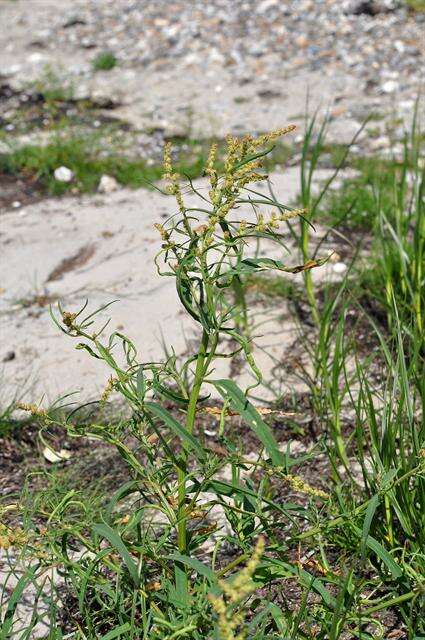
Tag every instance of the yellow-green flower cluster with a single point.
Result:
(266, 138)
(209, 167)
(11, 537)
(108, 389)
(234, 592)
(68, 319)
(272, 223)
(298, 484)
(33, 409)
(239, 169)
(162, 231)
(173, 177)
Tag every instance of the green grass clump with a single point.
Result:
(354, 205)
(53, 87)
(86, 159)
(104, 61)
(416, 5)
(270, 287)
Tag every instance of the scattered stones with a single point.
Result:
(352, 52)
(63, 174)
(107, 184)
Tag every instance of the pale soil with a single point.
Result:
(101, 248)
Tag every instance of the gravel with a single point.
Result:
(224, 65)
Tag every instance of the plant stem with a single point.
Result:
(180, 571)
(240, 301)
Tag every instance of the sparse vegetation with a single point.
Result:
(201, 539)
(104, 61)
(416, 5)
(92, 155)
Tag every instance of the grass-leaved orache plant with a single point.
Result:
(201, 537)
(208, 250)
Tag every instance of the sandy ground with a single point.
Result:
(100, 248)
(203, 73)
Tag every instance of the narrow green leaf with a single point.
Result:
(117, 632)
(140, 383)
(7, 624)
(251, 265)
(370, 512)
(383, 554)
(105, 531)
(177, 428)
(198, 566)
(230, 391)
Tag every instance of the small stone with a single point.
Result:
(339, 267)
(36, 57)
(399, 46)
(16, 204)
(63, 174)
(390, 86)
(10, 355)
(264, 6)
(301, 42)
(107, 184)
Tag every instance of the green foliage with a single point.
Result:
(200, 542)
(53, 88)
(85, 157)
(104, 61)
(416, 5)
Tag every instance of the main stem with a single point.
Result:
(180, 570)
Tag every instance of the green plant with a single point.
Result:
(104, 61)
(86, 158)
(416, 5)
(387, 441)
(52, 87)
(341, 522)
(206, 249)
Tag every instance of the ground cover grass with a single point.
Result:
(89, 157)
(203, 540)
(104, 61)
(50, 108)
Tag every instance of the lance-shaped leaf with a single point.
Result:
(253, 265)
(230, 391)
(187, 438)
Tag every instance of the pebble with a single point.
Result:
(377, 43)
(107, 184)
(361, 37)
(339, 267)
(390, 86)
(63, 174)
